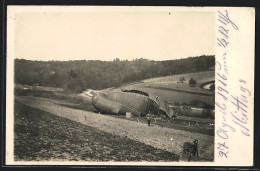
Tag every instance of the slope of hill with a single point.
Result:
(181, 93)
(77, 76)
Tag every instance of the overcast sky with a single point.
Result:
(107, 35)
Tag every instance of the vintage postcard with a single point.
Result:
(130, 85)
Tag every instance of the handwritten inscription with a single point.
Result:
(225, 27)
(225, 22)
(240, 116)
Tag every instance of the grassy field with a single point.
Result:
(168, 88)
(200, 77)
(41, 136)
(198, 125)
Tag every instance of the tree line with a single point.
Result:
(79, 75)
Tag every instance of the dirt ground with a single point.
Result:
(42, 136)
(167, 139)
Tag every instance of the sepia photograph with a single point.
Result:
(112, 84)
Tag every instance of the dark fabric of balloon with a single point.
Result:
(119, 102)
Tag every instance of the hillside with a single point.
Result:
(169, 89)
(76, 76)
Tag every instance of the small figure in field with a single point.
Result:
(191, 149)
(149, 117)
(195, 151)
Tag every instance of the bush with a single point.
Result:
(207, 111)
(192, 82)
(212, 87)
(22, 92)
(182, 110)
(181, 79)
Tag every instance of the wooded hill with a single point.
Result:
(79, 75)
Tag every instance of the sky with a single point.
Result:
(106, 35)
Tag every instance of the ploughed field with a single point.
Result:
(47, 129)
(41, 136)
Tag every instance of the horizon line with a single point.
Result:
(113, 59)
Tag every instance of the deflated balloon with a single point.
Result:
(137, 102)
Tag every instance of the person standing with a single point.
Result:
(149, 117)
(195, 151)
